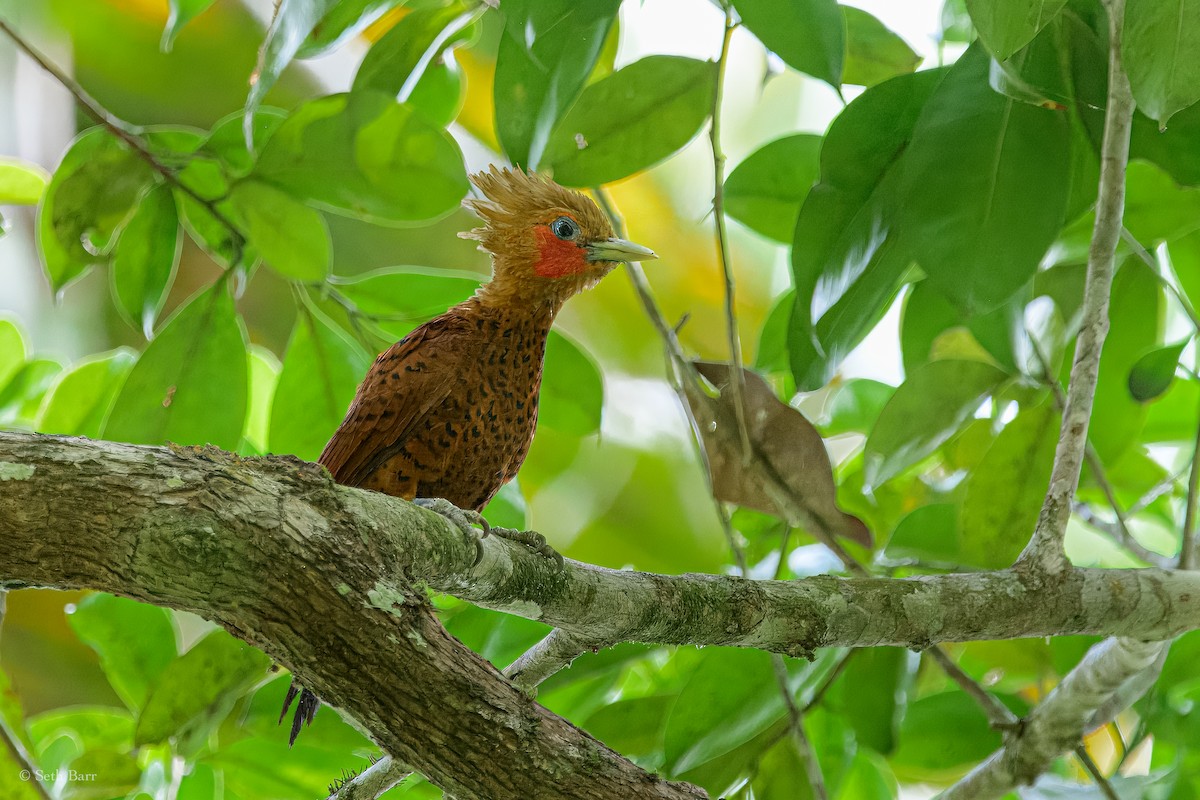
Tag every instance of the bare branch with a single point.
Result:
(1045, 550)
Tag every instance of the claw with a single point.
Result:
(464, 519)
(534, 541)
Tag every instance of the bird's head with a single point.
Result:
(544, 239)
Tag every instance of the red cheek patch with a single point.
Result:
(557, 258)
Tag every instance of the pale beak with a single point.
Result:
(618, 250)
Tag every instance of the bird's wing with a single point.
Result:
(405, 383)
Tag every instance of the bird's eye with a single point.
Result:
(565, 228)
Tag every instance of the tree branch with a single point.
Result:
(1045, 551)
(319, 576)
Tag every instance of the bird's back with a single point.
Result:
(449, 411)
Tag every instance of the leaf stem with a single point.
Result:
(736, 379)
(128, 134)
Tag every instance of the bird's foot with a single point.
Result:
(531, 539)
(467, 520)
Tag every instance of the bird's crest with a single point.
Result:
(513, 198)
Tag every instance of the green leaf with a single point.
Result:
(871, 694)
(86, 726)
(781, 774)
(873, 53)
(1152, 374)
(500, 638)
(943, 731)
(95, 188)
(572, 393)
(631, 120)
(12, 349)
(766, 190)
(929, 534)
(1136, 320)
(146, 257)
(401, 55)
(345, 19)
(926, 410)
(547, 50)
(1160, 49)
(321, 370)
(21, 182)
(986, 183)
(367, 156)
(197, 689)
(294, 20)
(403, 297)
(808, 34)
(292, 238)
(1005, 492)
(182, 12)
(846, 262)
(634, 726)
(22, 397)
(731, 697)
(80, 399)
(135, 642)
(264, 377)
(189, 386)
(1157, 209)
(772, 355)
(1005, 26)
(854, 406)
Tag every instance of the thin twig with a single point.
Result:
(553, 653)
(998, 714)
(1098, 778)
(1187, 544)
(804, 748)
(1045, 552)
(128, 134)
(737, 380)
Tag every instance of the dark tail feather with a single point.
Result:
(306, 709)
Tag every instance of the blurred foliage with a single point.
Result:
(958, 195)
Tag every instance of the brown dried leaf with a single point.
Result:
(786, 450)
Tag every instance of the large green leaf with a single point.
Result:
(92, 194)
(321, 369)
(1005, 26)
(872, 694)
(633, 726)
(135, 642)
(929, 534)
(926, 410)
(294, 21)
(731, 696)
(873, 53)
(547, 50)
(808, 34)
(1005, 492)
(22, 397)
(80, 399)
(408, 294)
(21, 183)
(766, 190)
(985, 189)
(631, 120)
(365, 155)
(1161, 53)
(195, 690)
(944, 731)
(146, 257)
(846, 262)
(403, 53)
(189, 386)
(292, 238)
(572, 392)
